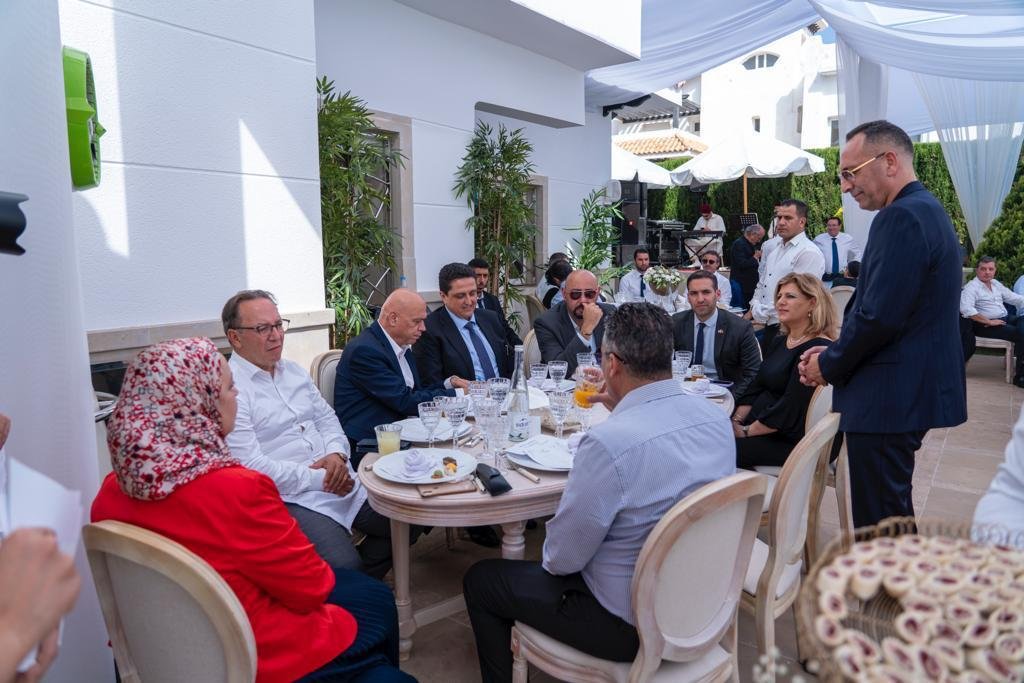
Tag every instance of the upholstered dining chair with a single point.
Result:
(323, 370)
(534, 309)
(696, 556)
(170, 616)
(531, 350)
(773, 577)
(841, 296)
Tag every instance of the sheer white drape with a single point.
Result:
(973, 7)
(981, 157)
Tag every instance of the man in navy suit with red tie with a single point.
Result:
(897, 368)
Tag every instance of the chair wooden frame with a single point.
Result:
(1006, 346)
(720, 629)
(181, 566)
(786, 539)
(534, 308)
(316, 369)
(531, 350)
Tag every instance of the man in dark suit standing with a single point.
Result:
(484, 299)
(576, 325)
(377, 379)
(744, 259)
(897, 367)
(720, 341)
(462, 340)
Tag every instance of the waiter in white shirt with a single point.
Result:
(632, 286)
(287, 431)
(794, 253)
(983, 305)
(837, 247)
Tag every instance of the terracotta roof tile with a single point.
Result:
(670, 143)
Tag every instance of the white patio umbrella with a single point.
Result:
(751, 155)
(628, 166)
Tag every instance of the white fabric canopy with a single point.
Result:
(628, 166)
(756, 155)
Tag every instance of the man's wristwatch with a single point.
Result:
(746, 430)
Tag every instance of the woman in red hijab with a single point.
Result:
(173, 474)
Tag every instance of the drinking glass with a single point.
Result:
(456, 409)
(584, 360)
(389, 437)
(486, 411)
(497, 433)
(696, 372)
(587, 384)
(683, 357)
(560, 403)
(499, 388)
(538, 373)
(430, 415)
(557, 370)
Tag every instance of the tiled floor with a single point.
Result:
(953, 470)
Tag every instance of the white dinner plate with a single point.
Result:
(413, 430)
(714, 390)
(531, 464)
(392, 466)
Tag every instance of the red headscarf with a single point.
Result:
(165, 430)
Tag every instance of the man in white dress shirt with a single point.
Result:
(1003, 503)
(983, 305)
(837, 247)
(794, 253)
(632, 286)
(711, 261)
(286, 430)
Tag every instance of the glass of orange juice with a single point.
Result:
(588, 382)
(389, 438)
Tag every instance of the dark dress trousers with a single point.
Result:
(442, 352)
(777, 399)
(898, 367)
(491, 303)
(737, 356)
(557, 337)
(369, 388)
(743, 267)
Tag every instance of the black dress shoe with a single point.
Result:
(484, 535)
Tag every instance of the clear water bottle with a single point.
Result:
(519, 400)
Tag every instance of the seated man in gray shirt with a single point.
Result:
(657, 446)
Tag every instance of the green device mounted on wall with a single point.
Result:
(84, 129)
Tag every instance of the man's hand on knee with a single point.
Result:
(337, 479)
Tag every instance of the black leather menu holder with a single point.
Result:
(492, 480)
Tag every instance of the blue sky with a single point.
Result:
(828, 36)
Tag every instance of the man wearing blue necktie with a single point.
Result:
(461, 339)
(837, 247)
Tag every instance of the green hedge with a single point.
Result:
(1005, 240)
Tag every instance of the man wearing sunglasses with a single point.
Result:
(576, 325)
(711, 262)
(897, 366)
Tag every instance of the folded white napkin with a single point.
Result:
(418, 464)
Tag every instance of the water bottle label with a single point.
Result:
(520, 430)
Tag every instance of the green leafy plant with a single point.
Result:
(598, 237)
(494, 177)
(355, 167)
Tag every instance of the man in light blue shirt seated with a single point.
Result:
(657, 446)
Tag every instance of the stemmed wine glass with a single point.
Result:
(560, 402)
(430, 416)
(456, 408)
(538, 373)
(680, 364)
(499, 388)
(486, 411)
(557, 369)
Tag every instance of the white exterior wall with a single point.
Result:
(44, 372)
(210, 168)
(403, 62)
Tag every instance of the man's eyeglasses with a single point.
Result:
(264, 330)
(575, 294)
(851, 173)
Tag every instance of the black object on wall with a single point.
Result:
(12, 222)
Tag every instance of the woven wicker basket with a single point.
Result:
(874, 617)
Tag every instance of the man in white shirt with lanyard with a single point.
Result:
(983, 302)
(837, 247)
(632, 286)
(794, 253)
(286, 430)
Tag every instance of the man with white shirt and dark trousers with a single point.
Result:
(837, 247)
(287, 431)
(983, 306)
(794, 253)
(632, 286)
(657, 446)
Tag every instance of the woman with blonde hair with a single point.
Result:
(770, 414)
(173, 474)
